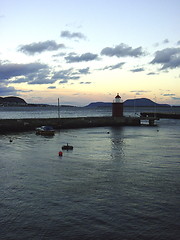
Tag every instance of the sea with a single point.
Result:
(118, 183)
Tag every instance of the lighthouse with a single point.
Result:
(117, 107)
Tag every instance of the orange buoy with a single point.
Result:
(60, 154)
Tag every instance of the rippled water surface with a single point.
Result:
(117, 183)
(65, 112)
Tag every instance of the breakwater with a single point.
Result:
(161, 115)
(17, 125)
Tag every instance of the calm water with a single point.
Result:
(117, 183)
(65, 112)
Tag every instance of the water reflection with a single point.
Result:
(117, 143)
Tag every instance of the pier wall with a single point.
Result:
(17, 125)
(161, 115)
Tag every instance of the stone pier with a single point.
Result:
(18, 125)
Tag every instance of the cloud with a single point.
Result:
(122, 50)
(68, 34)
(164, 56)
(33, 48)
(65, 75)
(84, 71)
(31, 73)
(85, 83)
(178, 42)
(72, 57)
(115, 66)
(52, 87)
(9, 90)
(168, 58)
(4, 91)
(43, 76)
(70, 74)
(176, 98)
(10, 70)
(37, 73)
(139, 92)
(35, 79)
(152, 73)
(166, 41)
(63, 81)
(21, 80)
(174, 63)
(137, 70)
(62, 54)
(38, 80)
(168, 94)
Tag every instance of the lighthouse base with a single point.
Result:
(117, 109)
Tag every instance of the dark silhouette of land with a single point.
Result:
(139, 102)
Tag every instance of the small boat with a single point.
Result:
(45, 131)
(67, 147)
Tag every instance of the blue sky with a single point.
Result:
(84, 51)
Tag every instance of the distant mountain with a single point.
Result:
(139, 102)
(99, 104)
(142, 102)
(12, 101)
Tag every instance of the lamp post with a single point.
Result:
(58, 109)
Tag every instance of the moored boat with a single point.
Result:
(45, 130)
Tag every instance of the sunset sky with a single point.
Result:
(83, 51)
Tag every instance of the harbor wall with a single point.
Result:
(161, 115)
(17, 125)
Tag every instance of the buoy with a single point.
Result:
(60, 154)
(67, 147)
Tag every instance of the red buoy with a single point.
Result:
(60, 154)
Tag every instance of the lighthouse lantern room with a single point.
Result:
(117, 107)
(117, 98)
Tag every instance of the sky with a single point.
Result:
(83, 51)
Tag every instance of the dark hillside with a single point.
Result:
(142, 102)
(139, 102)
(12, 100)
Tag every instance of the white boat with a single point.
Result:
(45, 130)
